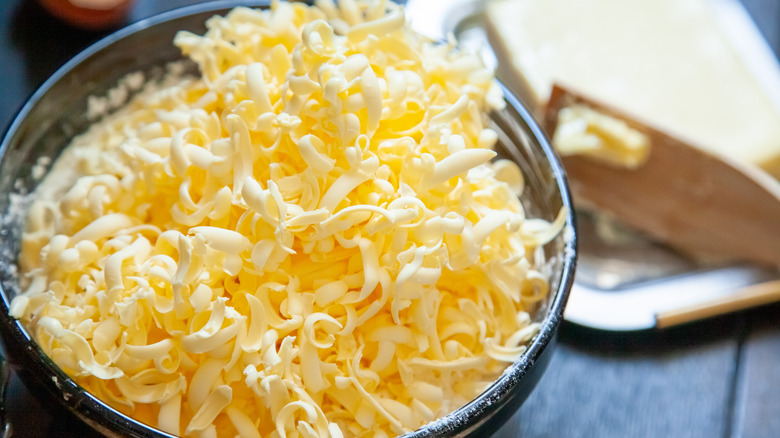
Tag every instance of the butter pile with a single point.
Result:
(308, 240)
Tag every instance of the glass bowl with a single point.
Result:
(57, 112)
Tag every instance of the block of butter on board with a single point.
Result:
(697, 69)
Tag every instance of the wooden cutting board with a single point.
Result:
(702, 204)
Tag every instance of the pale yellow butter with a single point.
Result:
(584, 131)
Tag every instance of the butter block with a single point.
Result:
(671, 63)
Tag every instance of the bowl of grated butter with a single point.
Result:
(281, 220)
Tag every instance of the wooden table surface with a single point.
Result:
(718, 378)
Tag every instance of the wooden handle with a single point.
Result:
(750, 296)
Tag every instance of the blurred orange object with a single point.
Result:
(89, 14)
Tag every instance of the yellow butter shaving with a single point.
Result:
(308, 240)
(584, 131)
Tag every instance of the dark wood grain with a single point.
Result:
(757, 396)
(674, 383)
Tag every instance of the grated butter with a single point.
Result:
(308, 240)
